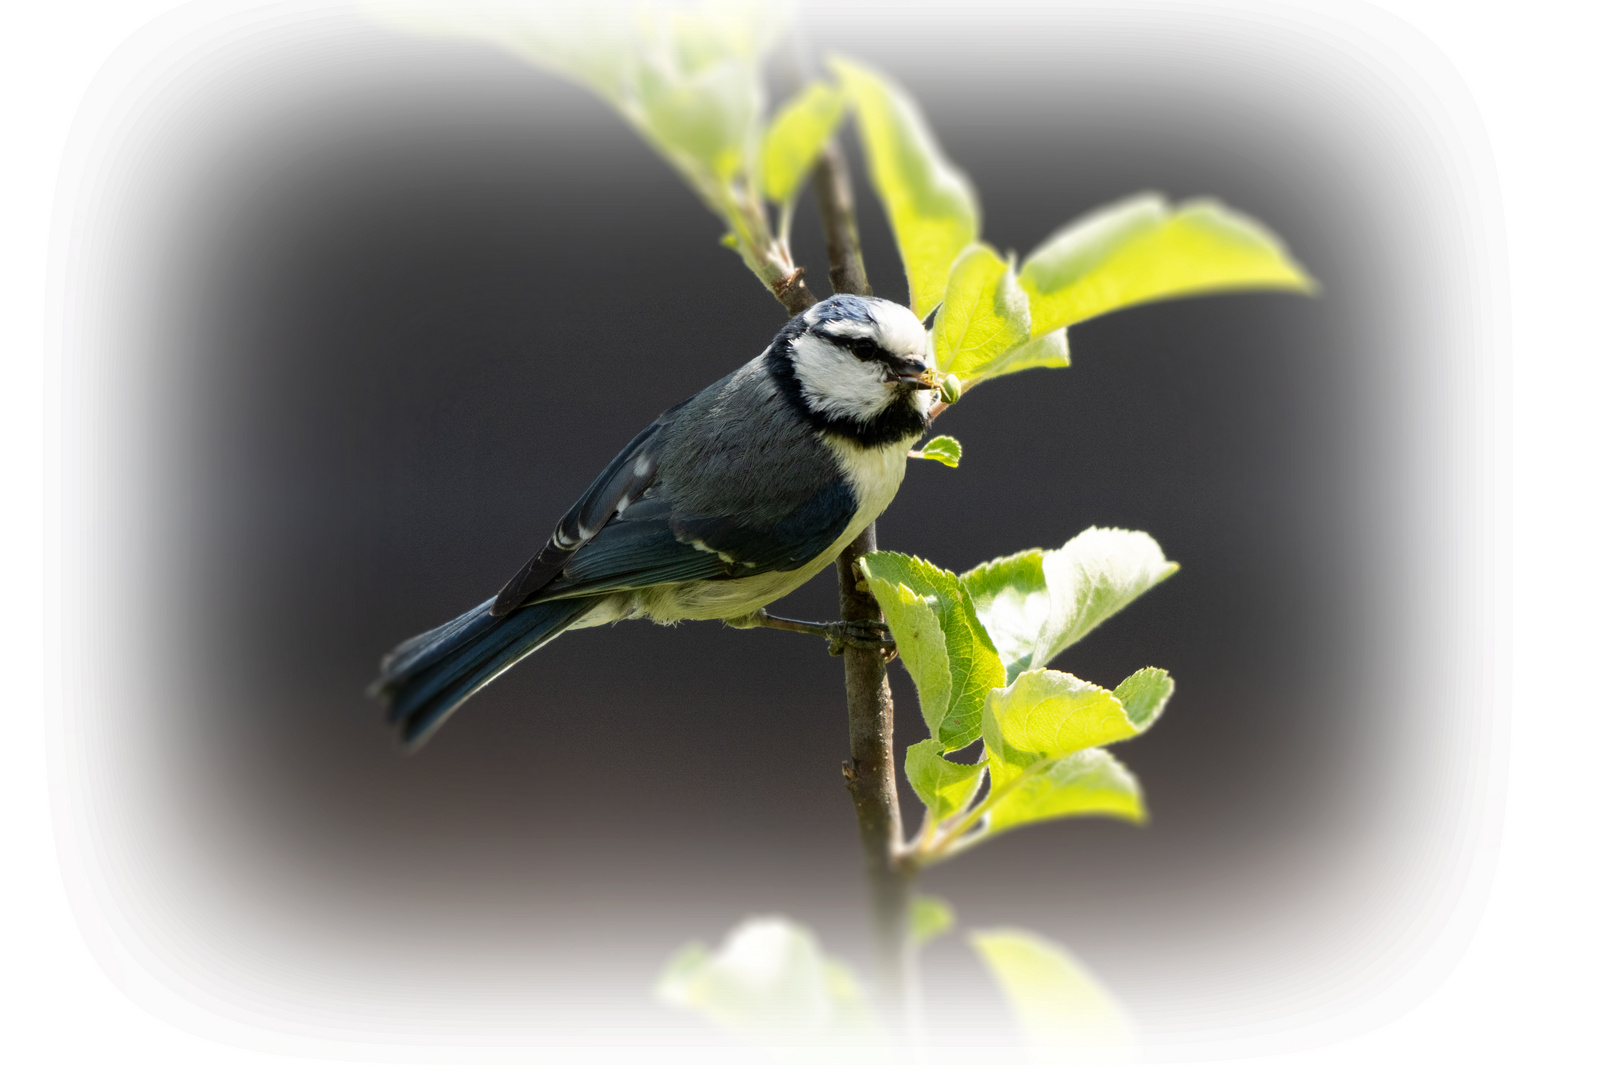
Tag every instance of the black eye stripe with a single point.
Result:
(862, 348)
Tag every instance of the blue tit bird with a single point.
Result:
(728, 501)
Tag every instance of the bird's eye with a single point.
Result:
(864, 350)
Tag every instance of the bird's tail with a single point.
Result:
(427, 678)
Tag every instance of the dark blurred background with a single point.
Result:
(389, 305)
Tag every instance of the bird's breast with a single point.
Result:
(873, 472)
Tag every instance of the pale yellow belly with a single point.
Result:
(729, 599)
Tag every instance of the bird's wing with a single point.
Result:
(652, 544)
(626, 479)
(622, 534)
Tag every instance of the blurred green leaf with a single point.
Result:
(943, 449)
(593, 43)
(984, 315)
(1009, 596)
(952, 694)
(769, 982)
(687, 77)
(943, 786)
(1145, 695)
(930, 204)
(1088, 782)
(1065, 1012)
(1045, 715)
(1139, 250)
(801, 128)
(702, 117)
(1091, 578)
(931, 916)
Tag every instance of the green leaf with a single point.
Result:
(1066, 1014)
(1009, 596)
(951, 694)
(1089, 782)
(1045, 715)
(931, 916)
(1051, 351)
(1145, 695)
(1091, 578)
(1139, 250)
(702, 117)
(984, 316)
(770, 982)
(688, 79)
(929, 202)
(943, 786)
(918, 637)
(801, 128)
(1031, 618)
(943, 449)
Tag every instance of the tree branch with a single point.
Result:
(835, 198)
(869, 774)
(794, 294)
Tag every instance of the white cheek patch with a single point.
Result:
(837, 384)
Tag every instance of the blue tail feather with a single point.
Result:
(427, 678)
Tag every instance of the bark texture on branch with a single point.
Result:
(835, 198)
(869, 774)
(794, 294)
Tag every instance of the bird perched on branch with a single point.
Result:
(725, 503)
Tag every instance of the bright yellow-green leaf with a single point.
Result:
(920, 640)
(971, 668)
(931, 916)
(1087, 783)
(1145, 695)
(1051, 351)
(943, 449)
(929, 201)
(1009, 596)
(1045, 715)
(984, 316)
(1065, 1012)
(943, 786)
(1140, 250)
(1091, 578)
(1037, 603)
(801, 128)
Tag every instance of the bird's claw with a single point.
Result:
(858, 634)
(852, 634)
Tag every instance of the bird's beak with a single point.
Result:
(914, 375)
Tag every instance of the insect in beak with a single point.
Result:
(914, 375)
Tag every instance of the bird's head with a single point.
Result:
(860, 367)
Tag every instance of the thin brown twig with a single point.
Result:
(869, 774)
(835, 198)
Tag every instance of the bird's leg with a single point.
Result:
(858, 633)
